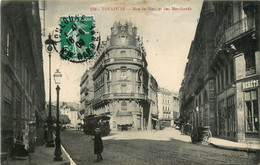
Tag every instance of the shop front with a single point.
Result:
(250, 90)
(248, 110)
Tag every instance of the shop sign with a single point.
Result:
(250, 84)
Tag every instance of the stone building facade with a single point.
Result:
(121, 80)
(153, 100)
(167, 106)
(221, 84)
(87, 90)
(22, 80)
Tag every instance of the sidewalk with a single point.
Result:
(172, 133)
(42, 156)
(227, 144)
(222, 143)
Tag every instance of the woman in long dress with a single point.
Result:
(98, 144)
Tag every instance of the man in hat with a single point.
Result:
(98, 144)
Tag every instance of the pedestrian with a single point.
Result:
(98, 144)
(45, 133)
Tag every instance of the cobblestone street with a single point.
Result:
(160, 147)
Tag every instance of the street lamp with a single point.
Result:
(57, 78)
(49, 48)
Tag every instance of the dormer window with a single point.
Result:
(123, 53)
(123, 38)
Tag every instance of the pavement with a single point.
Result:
(42, 156)
(172, 133)
(227, 144)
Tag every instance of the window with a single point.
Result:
(250, 63)
(123, 88)
(212, 93)
(230, 17)
(123, 74)
(222, 79)
(221, 117)
(123, 39)
(226, 76)
(123, 106)
(123, 53)
(218, 82)
(18, 109)
(232, 76)
(251, 107)
(231, 114)
(7, 109)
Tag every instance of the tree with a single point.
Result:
(64, 119)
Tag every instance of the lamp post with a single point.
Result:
(49, 48)
(57, 78)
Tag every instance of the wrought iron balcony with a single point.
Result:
(124, 95)
(123, 60)
(245, 25)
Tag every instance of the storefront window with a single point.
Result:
(251, 107)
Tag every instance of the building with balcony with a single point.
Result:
(22, 80)
(220, 88)
(121, 80)
(87, 90)
(167, 106)
(153, 99)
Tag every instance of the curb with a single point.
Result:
(234, 148)
(71, 162)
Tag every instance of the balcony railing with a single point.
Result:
(140, 96)
(240, 27)
(124, 60)
(124, 95)
(250, 71)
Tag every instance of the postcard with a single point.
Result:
(130, 82)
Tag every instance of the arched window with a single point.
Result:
(123, 52)
(123, 38)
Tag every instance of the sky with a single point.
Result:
(167, 36)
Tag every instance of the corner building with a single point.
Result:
(220, 88)
(121, 79)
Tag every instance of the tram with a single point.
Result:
(92, 122)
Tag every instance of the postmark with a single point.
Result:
(79, 39)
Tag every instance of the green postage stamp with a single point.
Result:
(79, 40)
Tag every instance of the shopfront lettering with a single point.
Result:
(250, 84)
